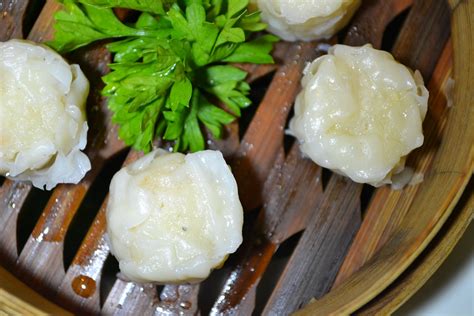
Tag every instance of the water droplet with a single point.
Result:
(12, 205)
(185, 305)
(84, 286)
(252, 269)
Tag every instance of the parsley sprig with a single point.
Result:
(170, 63)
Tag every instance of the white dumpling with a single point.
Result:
(43, 124)
(172, 218)
(306, 19)
(360, 113)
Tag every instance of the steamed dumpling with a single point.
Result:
(306, 19)
(43, 124)
(172, 218)
(360, 113)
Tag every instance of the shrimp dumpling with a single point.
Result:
(43, 124)
(306, 19)
(172, 218)
(360, 113)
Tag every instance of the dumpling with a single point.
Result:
(306, 19)
(43, 124)
(360, 113)
(172, 218)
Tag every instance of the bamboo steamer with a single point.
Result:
(314, 243)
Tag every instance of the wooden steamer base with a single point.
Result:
(308, 233)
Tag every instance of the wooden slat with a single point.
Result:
(369, 22)
(430, 19)
(315, 261)
(262, 144)
(12, 196)
(12, 13)
(229, 144)
(128, 298)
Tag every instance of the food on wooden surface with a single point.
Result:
(306, 19)
(43, 124)
(170, 64)
(172, 218)
(360, 113)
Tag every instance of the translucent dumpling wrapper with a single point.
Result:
(43, 124)
(360, 113)
(172, 218)
(306, 19)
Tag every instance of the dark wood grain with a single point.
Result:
(12, 14)
(431, 19)
(370, 21)
(314, 263)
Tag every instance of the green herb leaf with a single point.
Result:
(256, 51)
(81, 24)
(169, 64)
(180, 94)
(151, 6)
